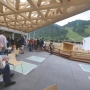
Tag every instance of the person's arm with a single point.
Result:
(5, 43)
(2, 62)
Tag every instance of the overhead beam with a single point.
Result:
(87, 7)
(78, 2)
(13, 20)
(17, 4)
(47, 12)
(32, 3)
(65, 7)
(56, 5)
(11, 8)
(39, 2)
(20, 11)
(53, 1)
(59, 10)
(7, 5)
(4, 18)
(29, 15)
(1, 8)
(15, 16)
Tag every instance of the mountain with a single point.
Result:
(73, 31)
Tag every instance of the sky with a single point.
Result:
(82, 16)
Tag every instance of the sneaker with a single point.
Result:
(11, 83)
(11, 75)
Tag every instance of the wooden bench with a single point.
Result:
(65, 53)
(80, 56)
(56, 51)
(71, 52)
(47, 48)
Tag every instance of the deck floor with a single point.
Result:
(67, 74)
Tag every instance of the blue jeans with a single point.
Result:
(6, 72)
(3, 50)
(30, 48)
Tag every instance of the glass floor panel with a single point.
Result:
(36, 58)
(27, 67)
(85, 68)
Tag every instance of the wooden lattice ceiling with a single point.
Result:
(34, 14)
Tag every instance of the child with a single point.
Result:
(51, 47)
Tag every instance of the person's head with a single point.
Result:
(0, 48)
(3, 32)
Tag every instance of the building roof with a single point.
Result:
(34, 14)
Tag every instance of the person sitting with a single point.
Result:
(5, 70)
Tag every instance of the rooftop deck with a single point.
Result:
(67, 74)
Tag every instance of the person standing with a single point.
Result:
(35, 44)
(42, 43)
(22, 44)
(51, 46)
(12, 42)
(3, 42)
(8, 42)
(38, 45)
(30, 43)
(17, 43)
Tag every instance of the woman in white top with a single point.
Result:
(5, 70)
(3, 43)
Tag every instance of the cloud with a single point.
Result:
(82, 16)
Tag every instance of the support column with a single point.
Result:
(12, 35)
(28, 35)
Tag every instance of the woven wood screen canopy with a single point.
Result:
(31, 15)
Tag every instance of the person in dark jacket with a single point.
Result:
(38, 45)
(12, 42)
(42, 43)
(17, 43)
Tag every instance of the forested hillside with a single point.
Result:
(73, 31)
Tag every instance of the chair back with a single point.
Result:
(53, 87)
(12, 56)
(16, 52)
